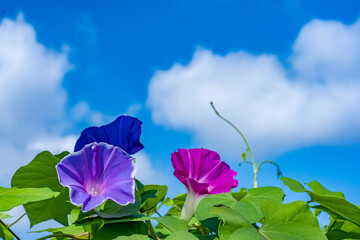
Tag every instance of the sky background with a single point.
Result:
(286, 72)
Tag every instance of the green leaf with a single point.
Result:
(62, 155)
(239, 195)
(247, 233)
(139, 185)
(338, 205)
(5, 233)
(290, 221)
(250, 205)
(4, 215)
(321, 190)
(123, 231)
(76, 214)
(243, 155)
(343, 229)
(177, 203)
(41, 172)
(181, 235)
(12, 197)
(151, 195)
(203, 211)
(293, 184)
(333, 203)
(293, 221)
(72, 229)
(100, 220)
(172, 223)
(319, 208)
(110, 209)
(231, 221)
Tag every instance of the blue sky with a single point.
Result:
(286, 72)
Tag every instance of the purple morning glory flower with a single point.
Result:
(203, 173)
(96, 173)
(123, 132)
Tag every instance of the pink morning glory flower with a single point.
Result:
(203, 173)
(98, 172)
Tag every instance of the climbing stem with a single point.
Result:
(255, 168)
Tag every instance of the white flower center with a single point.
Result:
(94, 190)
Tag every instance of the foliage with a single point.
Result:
(248, 214)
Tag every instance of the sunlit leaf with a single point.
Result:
(181, 235)
(41, 172)
(110, 209)
(151, 196)
(123, 231)
(293, 184)
(4, 215)
(203, 212)
(12, 197)
(250, 205)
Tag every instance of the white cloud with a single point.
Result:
(146, 173)
(316, 101)
(32, 101)
(54, 144)
(328, 51)
(82, 112)
(33, 114)
(133, 109)
(11, 159)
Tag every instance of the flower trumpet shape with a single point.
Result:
(203, 173)
(124, 132)
(96, 173)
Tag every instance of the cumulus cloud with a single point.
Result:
(54, 144)
(31, 96)
(32, 99)
(146, 173)
(314, 101)
(33, 112)
(328, 51)
(34, 115)
(82, 112)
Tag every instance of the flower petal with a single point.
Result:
(118, 192)
(202, 171)
(92, 202)
(98, 172)
(78, 195)
(124, 132)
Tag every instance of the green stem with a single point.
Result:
(271, 162)
(243, 137)
(59, 235)
(2, 223)
(158, 213)
(8, 226)
(151, 230)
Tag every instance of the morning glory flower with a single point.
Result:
(123, 132)
(203, 173)
(98, 172)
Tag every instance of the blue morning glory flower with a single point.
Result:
(123, 132)
(98, 172)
